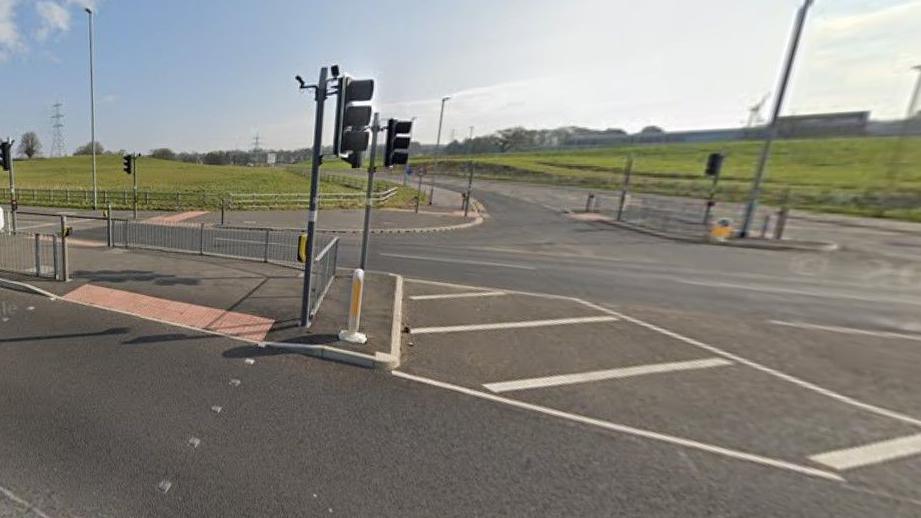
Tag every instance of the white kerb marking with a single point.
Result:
(460, 261)
(442, 296)
(868, 454)
(512, 325)
(847, 330)
(586, 377)
(639, 432)
(22, 503)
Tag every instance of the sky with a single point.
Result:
(212, 74)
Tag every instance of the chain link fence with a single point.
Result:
(37, 255)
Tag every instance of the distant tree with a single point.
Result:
(515, 138)
(215, 158)
(652, 130)
(29, 145)
(163, 153)
(87, 149)
(616, 131)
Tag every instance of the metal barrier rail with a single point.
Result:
(38, 255)
(177, 200)
(323, 273)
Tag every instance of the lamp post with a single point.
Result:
(772, 125)
(89, 13)
(441, 117)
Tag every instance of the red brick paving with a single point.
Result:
(191, 315)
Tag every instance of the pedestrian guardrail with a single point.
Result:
(37, 255)
(177, 200)
(323, 273)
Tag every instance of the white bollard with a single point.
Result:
(351, 334)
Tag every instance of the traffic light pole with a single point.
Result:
(320, 97)
(13, 204)
(772, 126)
(134, 173)
(375, 128)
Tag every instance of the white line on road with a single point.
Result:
(460, 261)
(639, 432)
(512, 325)
(773, 372)
(873, 453)
(22, 503)
(808, 293)
(441, 296)
(847, 330)
(623, 372)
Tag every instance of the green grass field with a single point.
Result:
(210, 183)
(849, 175)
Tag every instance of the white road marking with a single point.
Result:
(639, 432)
(773, 372)
(847, 330)
(623, 372)
(808, 293)
(22, 503)
(164, 486)
(216, 409)
(512, 325)
(873, 453)
(249, 361)
(460, 261)
(441, 296)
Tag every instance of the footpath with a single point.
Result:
(253, 302)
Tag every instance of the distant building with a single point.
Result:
(844, 124)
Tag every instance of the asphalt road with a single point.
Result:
(687, 380)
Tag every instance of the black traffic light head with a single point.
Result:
(352, 117)
(714, 164)
(128, 164)
(396, 151)
(6, 154)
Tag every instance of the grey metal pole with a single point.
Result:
(92, 104)
(441, 117)
(366, 230)
(13, 203)
(772, 125)
(320, 97)
(469, 174)
(419, 191)
(134, 173)
(64, 275)
(896, 164)
(628, 169)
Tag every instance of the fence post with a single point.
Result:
(782, 215)
(64, 276)
(588, 202)
(110, 241)
(764, 227)
(265, 252)
(201, 239)
(54, 257)
(38, 256)
(628, 169)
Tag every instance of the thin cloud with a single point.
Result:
(10, 40)
(54, 19)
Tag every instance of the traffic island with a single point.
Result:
(380, 322)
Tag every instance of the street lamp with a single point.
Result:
(896, 164)
(89, 13)
(772, 125)
(437, 147)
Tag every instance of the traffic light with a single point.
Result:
(6, 154)
(128, 164)
(714, 164)
(353, 115)
(397, 149)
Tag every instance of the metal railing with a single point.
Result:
(124, 199)
(38, 255)
(323, 274)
